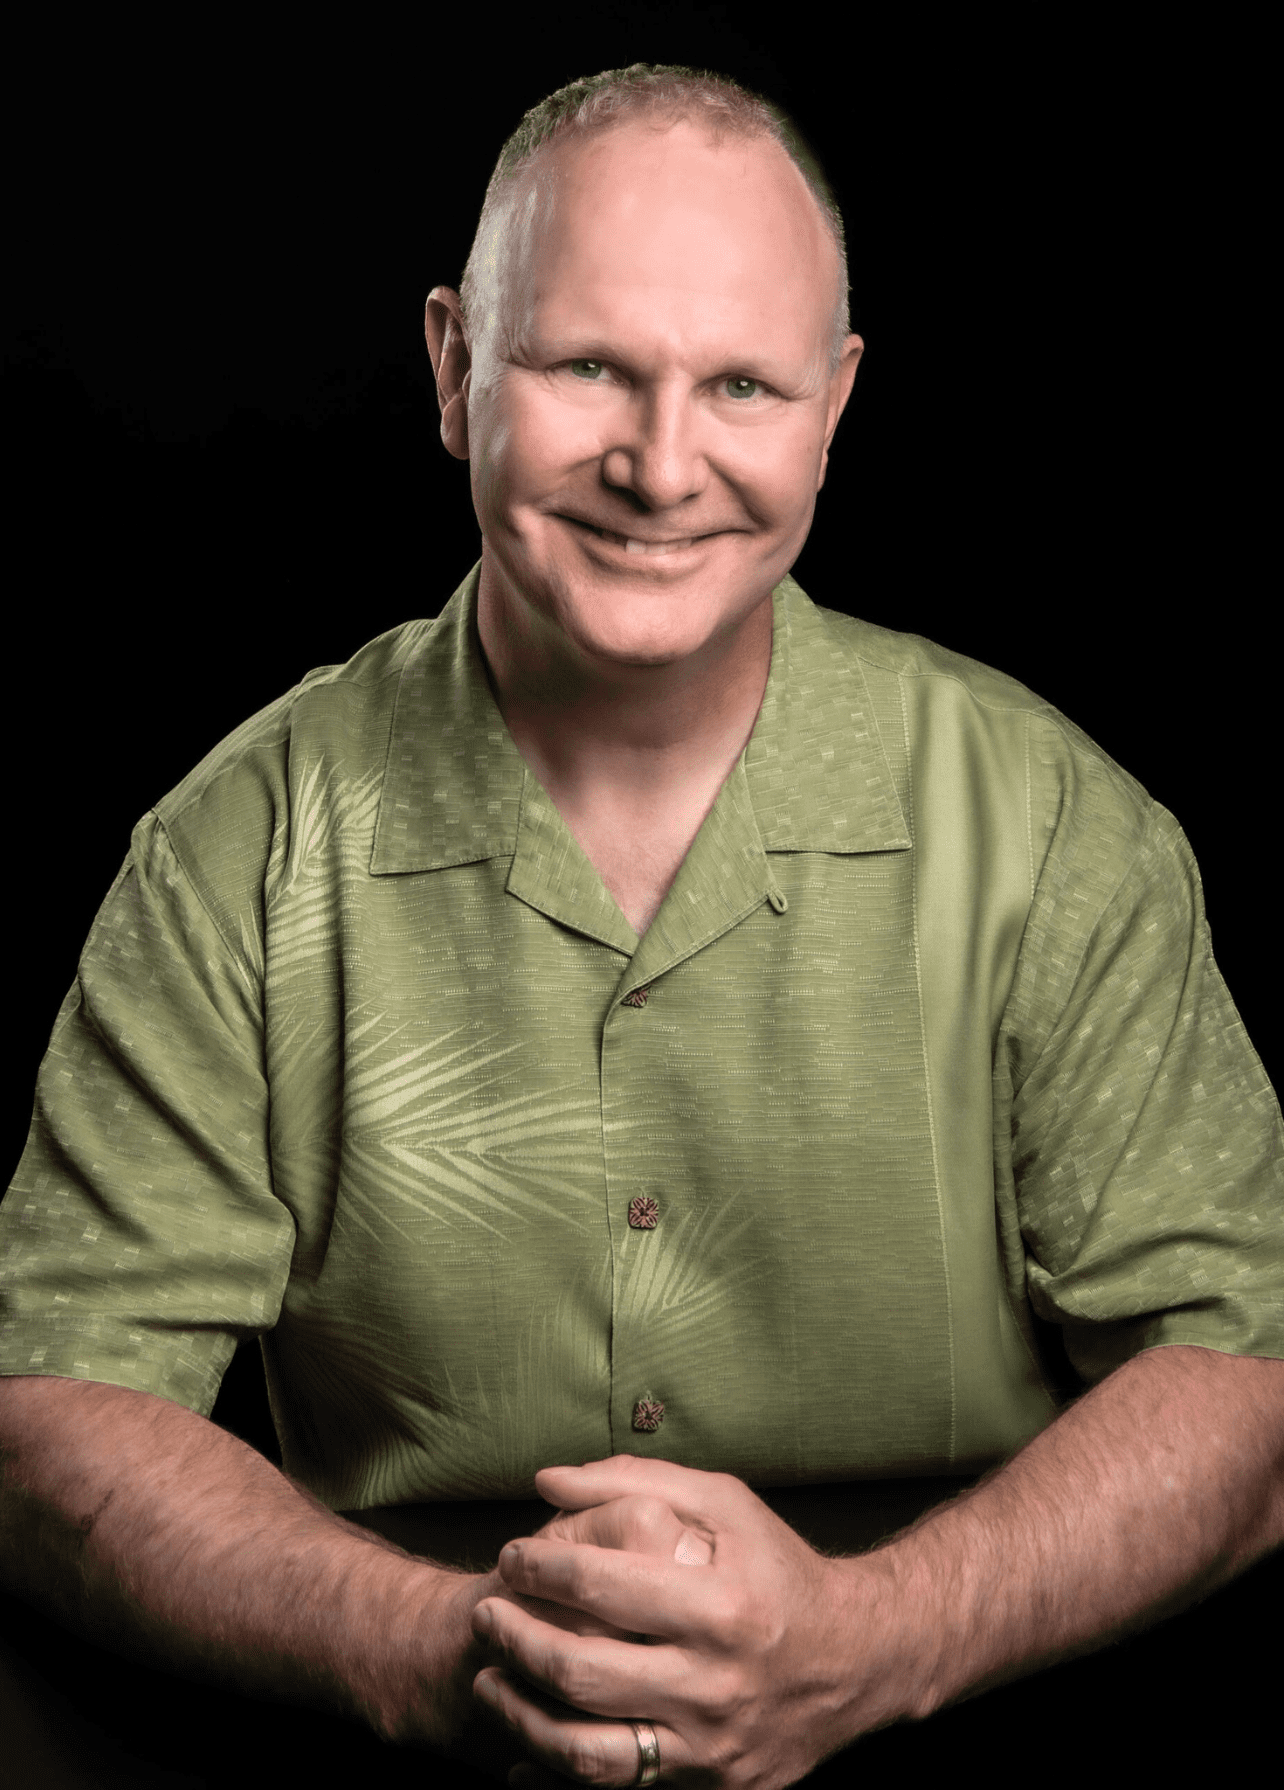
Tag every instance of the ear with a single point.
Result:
(840, 389)
(451, 364)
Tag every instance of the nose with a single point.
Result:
(660, 458)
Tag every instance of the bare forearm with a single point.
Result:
(770, 1657)
(1160, 1484)
(145, 1526)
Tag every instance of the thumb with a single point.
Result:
(692, 1549)
(636, 1525)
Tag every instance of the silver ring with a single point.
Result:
(648, 1753)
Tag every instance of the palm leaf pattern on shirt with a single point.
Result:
(435, 1128)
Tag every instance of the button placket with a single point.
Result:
(644, 1414)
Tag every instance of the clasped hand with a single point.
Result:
(699, 1611)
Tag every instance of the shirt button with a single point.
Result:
(637, 998)
(644, 1213)
(648, 1414)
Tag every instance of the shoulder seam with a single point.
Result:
(276, 717)
(1028, 700)
(248, 974)
(1033, 705)
(1145, 845)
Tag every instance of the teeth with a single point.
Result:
(631, 546)
(654, 546)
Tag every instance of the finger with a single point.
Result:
(577, 1622)
(636, 1524)
(572, 1744)
(634, 1592)
(693, 1549)
(590, 1673)
(691, 1493)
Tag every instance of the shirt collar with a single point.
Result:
(814, 776)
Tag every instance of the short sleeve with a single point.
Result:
(1146, 1158)
(140, 1239)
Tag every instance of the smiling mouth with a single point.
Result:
(652, 549)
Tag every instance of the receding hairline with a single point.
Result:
(658, 98)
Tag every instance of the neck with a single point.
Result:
(632, 756)
(582, 720)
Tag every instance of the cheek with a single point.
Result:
(494, 464)
(794, 468)
(772, 467)
(543, 440)
(798, 503)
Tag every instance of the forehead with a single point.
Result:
(642, 214)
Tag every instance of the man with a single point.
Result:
(642, 1020)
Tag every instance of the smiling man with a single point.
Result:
(647, 402)
(640, 1037)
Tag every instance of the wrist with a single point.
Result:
(903, 1632)
(417, 1683)
(953, 1579)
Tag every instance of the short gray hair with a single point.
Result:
(595, 102)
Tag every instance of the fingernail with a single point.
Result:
(692, 1550)
(482, 1622)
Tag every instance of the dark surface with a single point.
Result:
(224, 468)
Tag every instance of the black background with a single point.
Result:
(225, 467)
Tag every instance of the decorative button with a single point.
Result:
(778, 901)
(643, 1213)
(648, 1414)
(637, 998)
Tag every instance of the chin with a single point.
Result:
(621, 631)
(630, 620)
(628, 647)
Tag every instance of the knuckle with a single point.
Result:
(528, 1569)
(727, 1615)
(575, 1584)
(568, 1525)
(576, 1678)
(648, 1520)
(553, 1581)
(723, 1694)
(587, 1757)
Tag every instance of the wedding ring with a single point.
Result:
(648, 1753)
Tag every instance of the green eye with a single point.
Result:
(732, 383)
(596, 365)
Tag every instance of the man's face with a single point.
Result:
(648, 421)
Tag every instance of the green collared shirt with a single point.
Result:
(924, 1072)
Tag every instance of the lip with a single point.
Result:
(635, 548)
